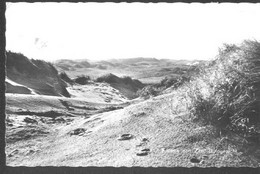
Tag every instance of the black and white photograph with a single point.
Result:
(132, 84)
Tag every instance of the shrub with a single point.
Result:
(82, 80)
(226, 93)
(172, 82)
(167, 82)
(157, 89)
(109, 78)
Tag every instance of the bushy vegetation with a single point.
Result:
(173, 82)
(148, 91)
(126, 85)
(226, 93)
(39, 75)
(82, 80)
(109, 78)
(157, 89)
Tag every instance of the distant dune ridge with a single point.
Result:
(146, 70)
(129, 75)
(125, 85)
(40, 76)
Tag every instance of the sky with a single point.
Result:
(100, 31)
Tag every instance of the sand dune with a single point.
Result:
(97, 125)
(147, 133)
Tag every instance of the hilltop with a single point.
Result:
(126, 85)
(29, 76)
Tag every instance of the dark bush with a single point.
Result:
(82, 80)
(109, 78)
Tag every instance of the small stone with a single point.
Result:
(194, 160)
(9, 124)
(205, 157)
(145, 139)
(29, 120)
(30, 151)
(78, 131)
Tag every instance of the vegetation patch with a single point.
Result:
(226, 91)
(167, 82)
(126, 85)
(23, 133)
(82, 80)
(111, 108)
(38, 75)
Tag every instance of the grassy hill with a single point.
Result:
(126, 85)
(40, 76)
(226, 91)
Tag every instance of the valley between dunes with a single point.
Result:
(52, 120)
(90, 134)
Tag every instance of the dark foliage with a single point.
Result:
(82, 80)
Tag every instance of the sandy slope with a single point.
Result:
(155, 135)
(97, 92)
(18, 87)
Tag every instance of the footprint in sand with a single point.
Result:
(143, 152)
(125, 137)
(14, 152)
(32, 151)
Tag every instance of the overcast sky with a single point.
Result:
(97, 31)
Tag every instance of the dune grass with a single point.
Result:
(226, 92)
